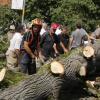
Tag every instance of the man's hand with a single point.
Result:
(33, 56)
(36, 53)
(65, 50)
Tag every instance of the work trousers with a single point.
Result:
(12, 60)
(28, 65)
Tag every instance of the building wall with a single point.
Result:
(5, 2)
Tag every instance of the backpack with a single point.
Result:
(22, 43)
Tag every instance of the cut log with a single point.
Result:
(96, 61)
(2, 74)
(88, 51)
(82, 71)
(57, 68)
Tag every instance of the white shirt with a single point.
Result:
(58, 31)
(42, 31)
(15, 42)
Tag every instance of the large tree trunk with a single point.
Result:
(96, 47)
(42, 85)
(35, 87)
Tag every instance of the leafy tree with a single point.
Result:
(71, 11)
(40, 8)
(66, 12)
(8, 17)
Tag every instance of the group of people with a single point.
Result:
(39, 41)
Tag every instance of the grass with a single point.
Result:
(11, 78)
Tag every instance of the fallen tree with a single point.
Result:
(42, 85)
(46, 83)
(96, 47)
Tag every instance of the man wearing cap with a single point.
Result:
(48, 44)
(11, 32)
(31, 47)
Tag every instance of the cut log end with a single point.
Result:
(82, 71)
(90, 83)
(57, 68)
(88, 51)
(2, 74)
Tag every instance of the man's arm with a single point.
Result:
(55, 48)
(64, 48)
(70, 42)
(89, 37)
(17, 46)
(28, 50)
(61, 44)
(17, 51)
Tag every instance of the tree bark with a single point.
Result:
(39, 86)
(42, 85)
(36, 87)
(96, 47)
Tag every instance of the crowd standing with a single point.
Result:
(38, 40)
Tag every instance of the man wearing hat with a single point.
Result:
(11, 32)
(31, 45)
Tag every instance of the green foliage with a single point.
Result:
(11, 78)
(40, 8)
(66, 12)
(2, 63)
(3, 44)
(7, 15)
(71, 11)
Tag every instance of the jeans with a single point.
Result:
(28, 65)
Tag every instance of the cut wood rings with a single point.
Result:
(2, 74)
(57, 68)
(88, 51)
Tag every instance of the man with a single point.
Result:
(48, 44)
(76, 37)
(31, 47)
(13, 51)
(64, 40)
